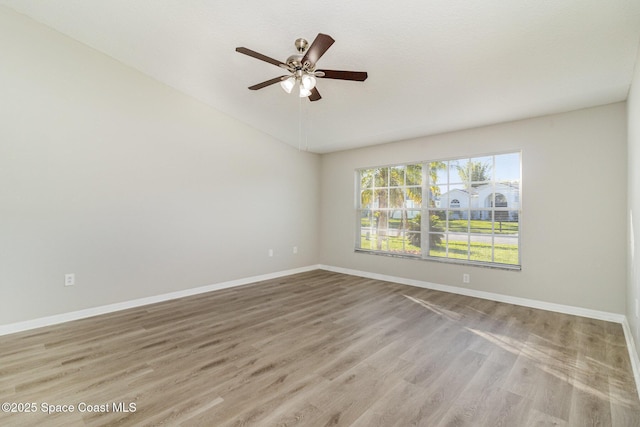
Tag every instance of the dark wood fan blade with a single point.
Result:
(260, 56)
(315, 95)
(359, 76)
(317, 48)
(268, 83)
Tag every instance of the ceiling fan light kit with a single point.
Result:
(287, 84)
(302, 68)
(308, 82)
(304, 93)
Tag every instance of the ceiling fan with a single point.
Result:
(302, 68)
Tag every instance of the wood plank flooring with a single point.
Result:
(323, 349)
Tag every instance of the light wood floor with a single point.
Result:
(324, 349)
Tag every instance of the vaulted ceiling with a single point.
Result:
(434, 66)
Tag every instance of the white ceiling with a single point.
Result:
(434, 65)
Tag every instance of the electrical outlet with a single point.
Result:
(637, 308)
(270, 252)
(69, 279)
(295, 249)
(466, 278)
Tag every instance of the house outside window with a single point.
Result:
(455, 210)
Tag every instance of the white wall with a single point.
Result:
(134, 187)
(633, 275)
(573, 250)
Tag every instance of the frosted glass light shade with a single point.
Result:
(308, 82)
(304, 92)
(288, 84)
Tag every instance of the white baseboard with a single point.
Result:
(558, 308)
(95, 311)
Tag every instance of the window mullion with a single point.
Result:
(425, 181)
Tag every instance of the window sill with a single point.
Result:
(497, 266)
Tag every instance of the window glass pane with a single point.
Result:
(413, 246)
(396, 218)
(509, 193)
(506, 250)
(436, 193)
(414, 175)
(379, 231)
(398, 242)
(500, 200)
(367, 240)
(438, 173)
(367, 178)
(396, 198)
(458, 245)
(383, 243)
(396, 176)
(481, 248)
(481, 222)
(381, 198)
(366, 198)
(413, 220)
(437, 221)
(500, 215)
(405, 242)
(481, 169)
(437, 245)
(381, 177)
(458, 171)
(507, 167)
(413, 197)
(506, 222)
(367, 229)
(380, 219)
(366, 218)
(458, 217)
(457, 197)
(458, 221)
(444, 200)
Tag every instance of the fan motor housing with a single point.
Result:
(295, 63)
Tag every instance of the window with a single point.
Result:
(470, 213)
